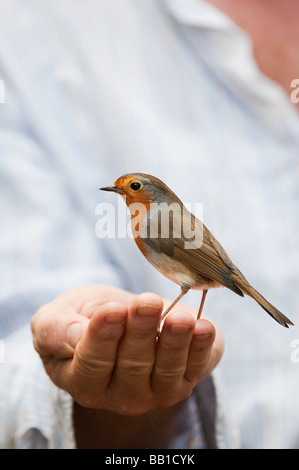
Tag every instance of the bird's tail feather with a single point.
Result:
(270, 309)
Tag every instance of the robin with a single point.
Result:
(193, 260)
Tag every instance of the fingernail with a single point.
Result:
(74, 334)
(179, 329)
(203, 341)
(114, 317)
(204, 336)
(146, 310)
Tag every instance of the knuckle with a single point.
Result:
(41, 332)
(92, 365)
(134, 367)
(142, 331)
(48, 332)
(169, 373)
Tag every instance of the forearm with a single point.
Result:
(107, 430)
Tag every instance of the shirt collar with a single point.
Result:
(200, 14)
(228, 49)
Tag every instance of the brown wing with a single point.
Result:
(210, 260)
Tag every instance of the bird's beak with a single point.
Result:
(111, 188)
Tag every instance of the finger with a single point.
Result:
(56, 329)
(136, 353)
(86, 299)
(202, 358)
(96, 353)
(172, 353)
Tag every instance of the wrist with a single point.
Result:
(105, 429)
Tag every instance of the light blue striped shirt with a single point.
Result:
(100, 88)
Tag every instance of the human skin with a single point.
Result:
(122, 380)
(109, 419)
(273, 29)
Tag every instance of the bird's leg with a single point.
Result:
(184, 291)
(203, 298)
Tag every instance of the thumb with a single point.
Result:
(56, 333)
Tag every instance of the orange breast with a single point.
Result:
(141, 246)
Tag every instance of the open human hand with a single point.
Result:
(99, 343)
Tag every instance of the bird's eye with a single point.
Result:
(135, 186)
